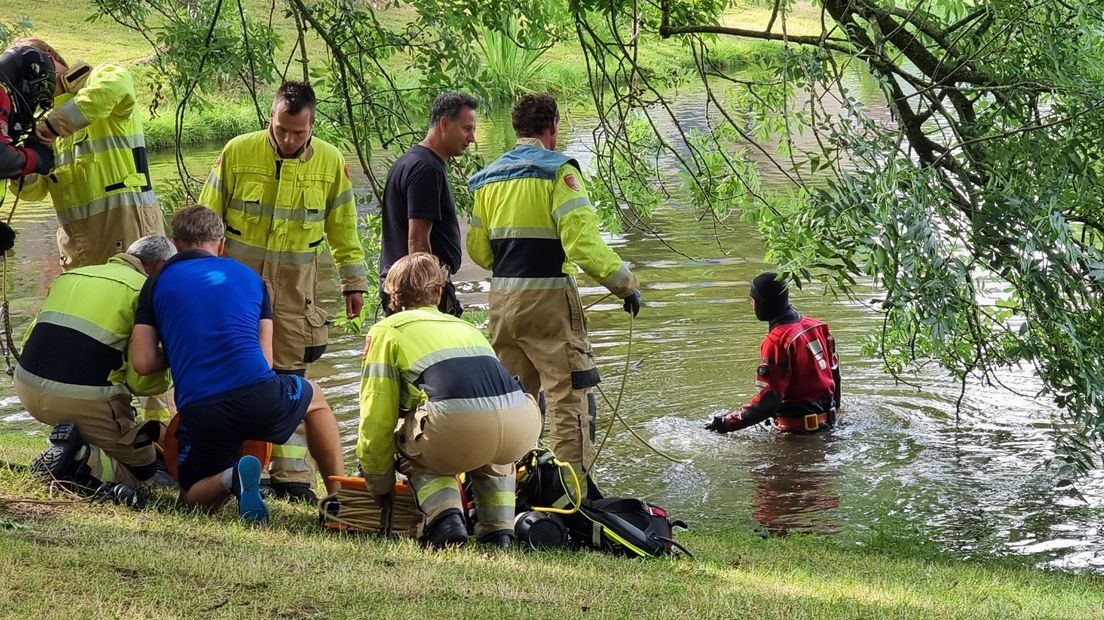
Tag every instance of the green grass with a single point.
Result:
(79, 560)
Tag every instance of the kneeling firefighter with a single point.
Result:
(798, 375)
(461, 411)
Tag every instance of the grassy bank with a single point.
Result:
(78, 560)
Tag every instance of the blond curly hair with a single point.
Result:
(415, 280)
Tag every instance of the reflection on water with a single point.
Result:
(976, 485)
(797, 494)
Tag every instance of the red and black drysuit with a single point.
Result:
(798, 378)
(15, 161)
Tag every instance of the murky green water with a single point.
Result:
(899, 459)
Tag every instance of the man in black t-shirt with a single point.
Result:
(419, 213)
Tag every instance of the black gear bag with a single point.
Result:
(621, 526)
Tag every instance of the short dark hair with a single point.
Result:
(449, 105)
(533, 114)
(197, 225)
(296, 96)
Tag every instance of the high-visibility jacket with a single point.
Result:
(100, 184)
(278, 211)
(78, 345)
(423, 357)
(533, 223)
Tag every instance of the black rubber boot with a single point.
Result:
(298, 492)
(122, 495)
(447, 530)
(64, 456)
(502, 539)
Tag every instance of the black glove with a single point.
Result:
(44, 156)
(7, 237)
(632, 303)
(726, 422)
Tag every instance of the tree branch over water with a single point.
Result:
(947, 153)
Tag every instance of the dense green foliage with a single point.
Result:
(975, 206)
(11, 30)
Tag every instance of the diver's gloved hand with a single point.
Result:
(632, 303)
(44, 156)
(727, 422)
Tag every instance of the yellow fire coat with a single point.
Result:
(278, 211)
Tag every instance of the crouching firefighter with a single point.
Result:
(74, 375)
(798, 376)
(461, 411)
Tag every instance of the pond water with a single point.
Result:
(974, 483)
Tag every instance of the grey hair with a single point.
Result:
(152, 249)
(448, 105)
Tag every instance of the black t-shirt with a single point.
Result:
(417, 188)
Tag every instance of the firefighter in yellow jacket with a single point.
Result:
(100, 184)
(532, 224)
(282, 194)
(75, 376)
(461, 410)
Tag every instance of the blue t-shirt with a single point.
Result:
(207, 311)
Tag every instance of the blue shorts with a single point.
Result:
(212, 430)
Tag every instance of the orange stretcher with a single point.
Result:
(356, 510)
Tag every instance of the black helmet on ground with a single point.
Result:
(28, 75)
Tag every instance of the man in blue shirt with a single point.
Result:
(210, 319)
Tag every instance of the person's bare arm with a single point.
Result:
(265, 334)
(146, 354)
(417, 236)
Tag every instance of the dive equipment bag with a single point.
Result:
(622, 526)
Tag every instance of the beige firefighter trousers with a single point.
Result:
(435, 447)
(109, 425)
(540, 336)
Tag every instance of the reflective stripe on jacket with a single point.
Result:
(77, 346)
(100, 185)
(278, 211)
(417, 357)
(533, 222)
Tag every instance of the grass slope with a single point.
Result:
(78, 560)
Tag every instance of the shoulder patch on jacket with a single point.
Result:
(367, 345)
(571, 181)
(762, 371)
(218, 160)
(347, 175)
